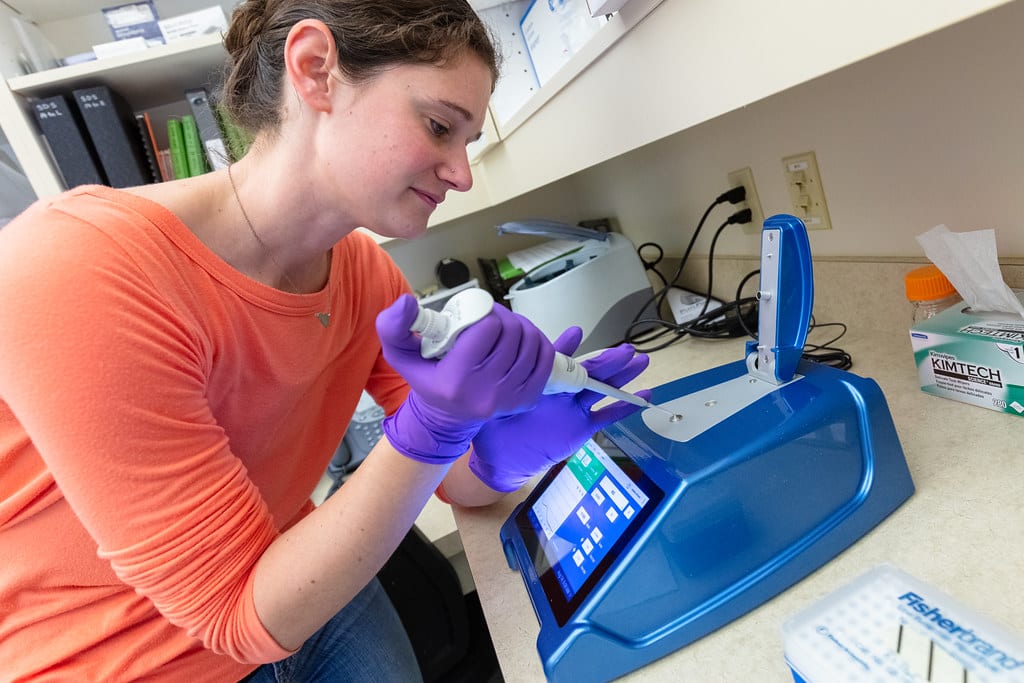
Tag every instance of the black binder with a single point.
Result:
(69, 142)
(111, 125)
(209, 129)
(149, 146)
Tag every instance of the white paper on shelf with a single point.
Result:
(554, 31)
(119, 47)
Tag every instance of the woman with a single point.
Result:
(178, 362)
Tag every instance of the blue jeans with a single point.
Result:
(363, 643)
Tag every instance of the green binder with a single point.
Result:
(176, 143)
(194, 154)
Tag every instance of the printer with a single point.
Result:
(583, 277)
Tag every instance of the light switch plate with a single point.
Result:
(806, 193)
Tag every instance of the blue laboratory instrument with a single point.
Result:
(659, 531)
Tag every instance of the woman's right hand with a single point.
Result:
(498, 366)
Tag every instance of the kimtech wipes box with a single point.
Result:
(977, 358)
(888, 627)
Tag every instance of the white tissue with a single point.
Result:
(969, 260)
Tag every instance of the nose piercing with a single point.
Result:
(452, 170)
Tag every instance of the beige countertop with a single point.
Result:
(962, 531)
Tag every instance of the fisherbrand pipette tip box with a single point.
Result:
(973, 357)
(889, 627)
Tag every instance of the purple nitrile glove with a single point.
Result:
(509, 451)
(497, 366)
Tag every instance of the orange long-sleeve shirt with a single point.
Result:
(162, 419)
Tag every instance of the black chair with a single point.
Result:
(446, 628)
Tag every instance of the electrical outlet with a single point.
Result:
(745, 177)
(806, 193)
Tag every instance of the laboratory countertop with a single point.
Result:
(961, 531)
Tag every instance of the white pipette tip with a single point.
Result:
(609, 390)
(672, 417)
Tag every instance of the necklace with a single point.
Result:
(323, 316)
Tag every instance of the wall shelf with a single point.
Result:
(144, 78)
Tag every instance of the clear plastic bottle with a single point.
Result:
(929, 291)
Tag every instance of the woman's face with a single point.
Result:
(399, 142)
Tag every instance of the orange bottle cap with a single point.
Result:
(927, 283)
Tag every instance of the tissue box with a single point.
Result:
(886, 626)
(977, 358)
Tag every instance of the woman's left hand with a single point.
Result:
(509, 451)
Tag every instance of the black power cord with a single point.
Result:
(736, 318)
(732, 196)
(825, 353)
(718, 323)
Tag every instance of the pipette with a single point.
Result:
(569, 376)
(439, 329)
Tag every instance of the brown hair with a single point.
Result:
(371, 35)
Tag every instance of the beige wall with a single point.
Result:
(930, 132)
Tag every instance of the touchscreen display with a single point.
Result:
(582, 513)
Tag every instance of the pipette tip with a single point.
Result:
(672, 417)
(609, 390)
